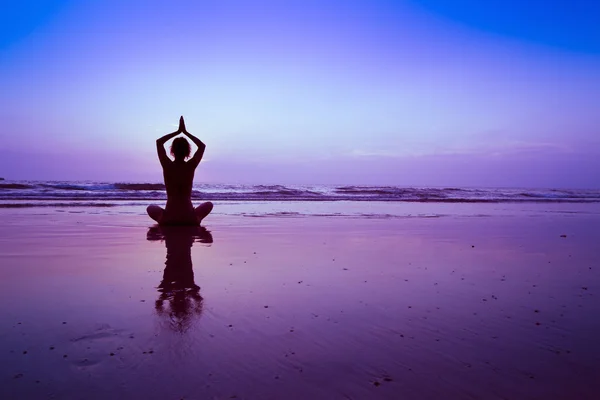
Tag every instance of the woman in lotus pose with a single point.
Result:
(179, 177)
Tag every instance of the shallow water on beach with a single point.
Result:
(451, 302)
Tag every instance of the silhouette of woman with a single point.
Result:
(179, 300)
(179, 177)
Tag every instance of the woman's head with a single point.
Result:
(180, 149)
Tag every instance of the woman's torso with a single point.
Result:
(179, 177)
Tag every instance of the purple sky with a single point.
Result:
(365, 92)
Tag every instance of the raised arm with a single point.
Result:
(201, 146)
(160, 146)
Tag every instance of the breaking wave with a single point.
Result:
(27, 191)
(139, 186)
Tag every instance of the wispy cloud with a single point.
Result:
(501, 148)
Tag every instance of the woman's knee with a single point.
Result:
(204, 209)
(154, 211)
(206, 206)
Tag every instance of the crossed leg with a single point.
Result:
(202, 210)
(155, 212)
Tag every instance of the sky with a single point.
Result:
(411, 93)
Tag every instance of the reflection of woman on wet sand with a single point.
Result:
(177, 288)
(179, 177)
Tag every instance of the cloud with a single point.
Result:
(499, 148)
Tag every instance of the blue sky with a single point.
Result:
(383, 92)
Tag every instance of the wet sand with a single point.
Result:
(465, 306)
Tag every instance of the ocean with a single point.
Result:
(107, 194)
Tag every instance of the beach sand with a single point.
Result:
(423, 305)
